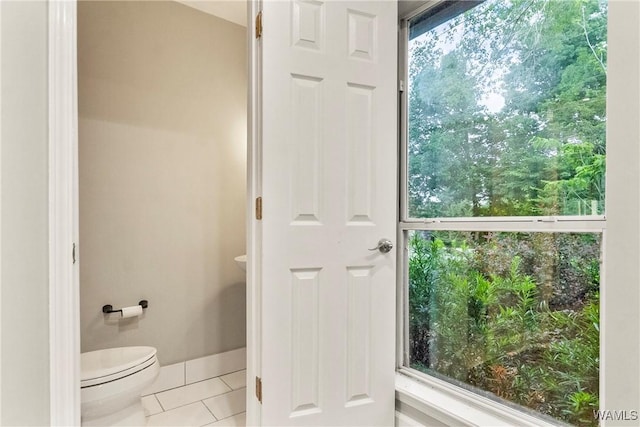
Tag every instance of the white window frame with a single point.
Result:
(455, 405)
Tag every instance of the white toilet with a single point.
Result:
(112, 381)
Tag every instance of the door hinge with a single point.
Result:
(259, 389)
(401, 85)
(259, 208)
(73, 253)
(259, 25)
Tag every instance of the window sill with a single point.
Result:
(454, 406)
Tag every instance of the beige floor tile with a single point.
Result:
(192, 415)
(228, 404)
(239, 420)
(235, 380)
(191, 393)
(151, 405)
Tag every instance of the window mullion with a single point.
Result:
(524, 224)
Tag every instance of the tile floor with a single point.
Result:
(217, 401)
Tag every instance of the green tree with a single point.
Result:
(507, 118)
(547, 60)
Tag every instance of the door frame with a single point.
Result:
(64, 301)
(254, 226)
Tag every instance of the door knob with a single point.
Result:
(384, 246)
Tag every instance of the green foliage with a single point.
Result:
(491, 325)
(515, 314)
(542, 152)
(581, 171)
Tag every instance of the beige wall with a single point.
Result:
(24, 230)
(620, 304)
(162, 135)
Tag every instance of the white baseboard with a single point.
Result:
(203, 368)
(215, 365)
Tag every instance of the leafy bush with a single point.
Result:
(477, 321)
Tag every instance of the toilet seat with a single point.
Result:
(103, 366)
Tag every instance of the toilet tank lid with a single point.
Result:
(109, 361)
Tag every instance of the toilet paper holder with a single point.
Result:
(109, 308)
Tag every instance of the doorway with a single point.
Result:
(162, 166)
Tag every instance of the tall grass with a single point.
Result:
(515, 314)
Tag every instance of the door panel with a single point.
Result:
(329, 182)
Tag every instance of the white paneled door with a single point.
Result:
(329, 184)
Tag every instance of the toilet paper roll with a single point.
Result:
(133, 311)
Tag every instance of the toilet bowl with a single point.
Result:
(111, 383)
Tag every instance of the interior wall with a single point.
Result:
(24, 225)
(620, 293)
(162, 166)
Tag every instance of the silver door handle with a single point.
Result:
(384, 246)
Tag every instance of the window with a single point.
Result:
(503, 200)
